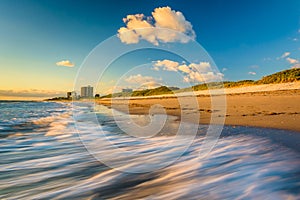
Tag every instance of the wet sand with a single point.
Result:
(278, 109)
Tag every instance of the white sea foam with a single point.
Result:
(57, 166)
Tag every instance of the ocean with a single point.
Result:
(44, 156)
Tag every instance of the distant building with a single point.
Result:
(69, 94)
(127, 90)
(72, 95)
(87, 92)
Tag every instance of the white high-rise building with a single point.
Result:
(87, 92)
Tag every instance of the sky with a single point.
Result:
(44, 43)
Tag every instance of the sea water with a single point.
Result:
(43, 156)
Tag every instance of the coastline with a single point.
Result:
(268, 106)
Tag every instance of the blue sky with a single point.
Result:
(240, 36)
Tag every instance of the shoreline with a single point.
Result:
(278, 109)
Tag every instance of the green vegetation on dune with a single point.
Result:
(107, 96)
(290, 75)
(226, 84)
(229, 84)
(148, 92)
(285, 76)
(151, 92)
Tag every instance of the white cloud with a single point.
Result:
(284, 55)
(252, 73)
(184, 68)
(197, 77)
(224, 69)
(292, 60)
(267, 59)
(65, 63)
(166, 18)
(201, 67)
(139, 79)
(194, 72)
(167, 65)
(165, 25)
(296, 66)
(128, 36)
(149, 85)
(203, 77)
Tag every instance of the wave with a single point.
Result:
(52, 163)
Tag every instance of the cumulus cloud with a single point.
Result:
(165, 25)
(184, 68)
(252, 73)
(142, 82)
(202, 67)
(292, 60)
(65, 63)
(167, 65)
(194, 72)
(139, 79)
(203, 77)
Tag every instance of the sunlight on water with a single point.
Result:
(42, 156)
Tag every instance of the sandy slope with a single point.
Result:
(273, 106)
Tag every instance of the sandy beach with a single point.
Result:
(272, 106)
